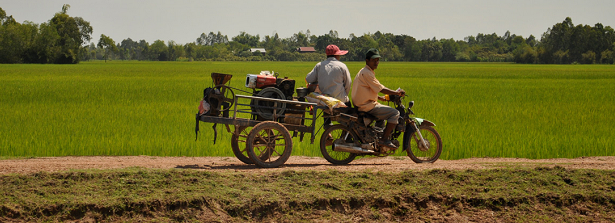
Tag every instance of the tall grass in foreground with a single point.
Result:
(148, 108)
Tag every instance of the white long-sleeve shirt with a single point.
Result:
(333, 78)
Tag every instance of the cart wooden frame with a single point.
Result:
(269, 142)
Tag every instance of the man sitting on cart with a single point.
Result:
(331, 76)
(365, 96)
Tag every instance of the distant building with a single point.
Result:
(262, 50)
(306, 50)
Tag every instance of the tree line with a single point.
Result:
(60, 40)
(63, 39)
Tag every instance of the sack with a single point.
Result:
(324, 100)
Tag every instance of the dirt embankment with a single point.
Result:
(480, 204)
(297, 163)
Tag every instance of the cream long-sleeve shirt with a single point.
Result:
(365, 89)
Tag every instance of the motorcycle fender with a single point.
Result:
(420, 121)
(425, 122)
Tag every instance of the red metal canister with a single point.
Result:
(263, 81)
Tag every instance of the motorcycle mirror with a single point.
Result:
(410, 104)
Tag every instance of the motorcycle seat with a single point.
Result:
(367, 115)
(349, 110)
(345, 110)
(354, 111)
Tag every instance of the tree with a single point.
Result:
(525, 54)
(10, 39)
(409, 48)
(449, 49)
(142, 50)
(274, 45)
(323, 41)
(588, 57)
(190, 49)
(299, 40)
(73, 32)
(247, 39)
(44, 48)
(92, 51)
(507, 37)
(581, 43)
(175, 51)
(158, 51)
(361, 45)
(606, 57)
(561, 57)
(531, 41)
(128, 49)
(107, 44)
(6, 20)
(211, 39)
(2, 16)
(431, 51)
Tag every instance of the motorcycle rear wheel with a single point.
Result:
(335, 157)
(418, 153)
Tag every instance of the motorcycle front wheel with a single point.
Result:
(420, 153)
(329, 138)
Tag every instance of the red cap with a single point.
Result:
(334, 50)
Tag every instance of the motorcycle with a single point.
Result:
(358, 134)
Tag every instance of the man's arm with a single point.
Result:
(312, 77)
(347, 80)
(385, 90)
(388, 91)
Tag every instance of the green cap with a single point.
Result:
(372, 53)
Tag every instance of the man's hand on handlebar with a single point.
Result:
(399, 92)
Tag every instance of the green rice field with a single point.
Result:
(148, 108)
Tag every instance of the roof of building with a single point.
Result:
(258, 49)
(306, 49)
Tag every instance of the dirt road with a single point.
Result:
(298, 163)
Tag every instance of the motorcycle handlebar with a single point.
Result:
(395, 98)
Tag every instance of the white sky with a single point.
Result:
(184, 20)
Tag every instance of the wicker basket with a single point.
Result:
(293, 119)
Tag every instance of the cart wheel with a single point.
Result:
(269, 144)
(238, 143)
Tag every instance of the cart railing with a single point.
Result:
(243, 108)
(275, 100)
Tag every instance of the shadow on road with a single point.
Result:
(251, 167)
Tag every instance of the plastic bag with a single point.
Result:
(204, 107)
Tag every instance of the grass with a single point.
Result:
(135, 194)
(147, 108)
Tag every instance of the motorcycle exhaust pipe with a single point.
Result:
(351, 149)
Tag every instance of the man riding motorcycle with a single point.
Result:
(365, 91)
